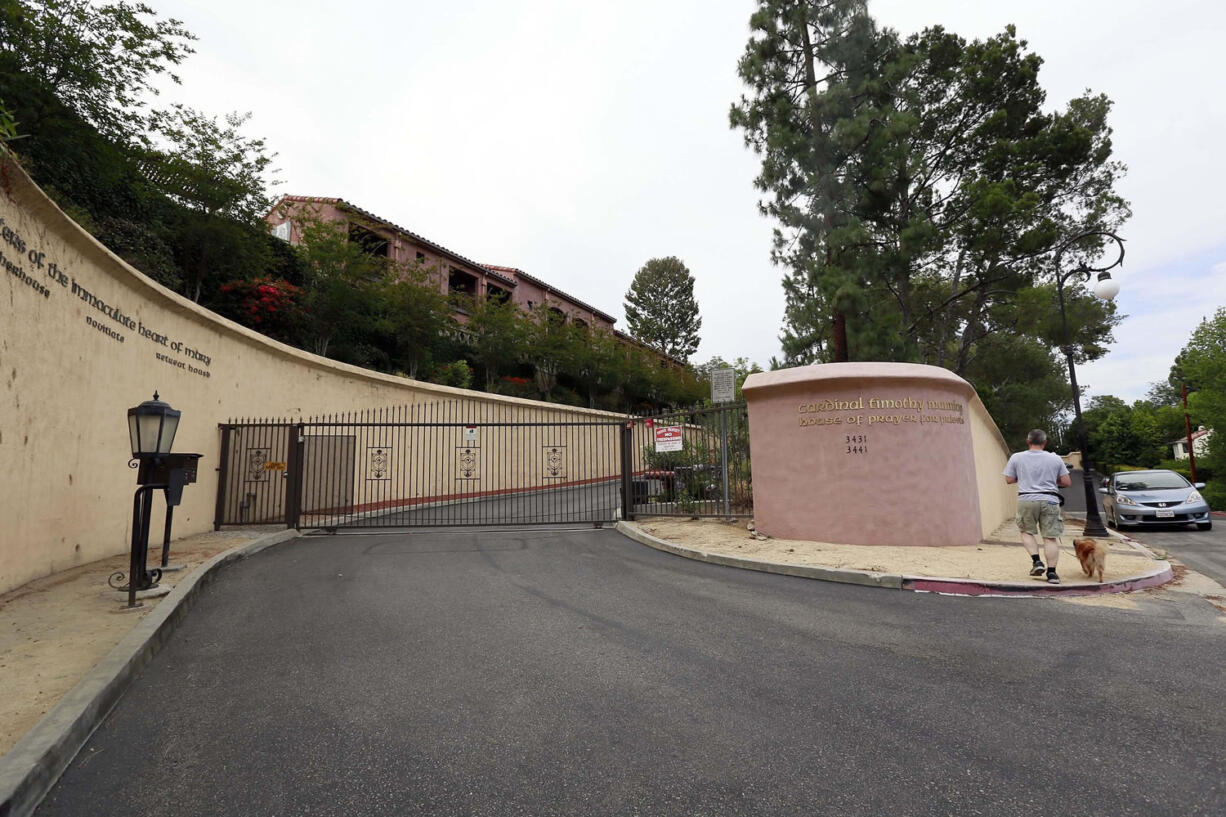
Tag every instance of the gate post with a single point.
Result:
(223, 472)
(294, 467)
(627, 451)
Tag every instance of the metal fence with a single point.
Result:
(438, 464)
(692, 462)
(459, 464)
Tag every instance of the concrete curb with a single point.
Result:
(31, 767)
(827, 574)
(1161, 574)
(970, 587)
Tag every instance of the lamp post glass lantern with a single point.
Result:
(1107, 288)
(151, 427)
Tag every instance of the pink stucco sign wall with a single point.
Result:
(864, 454)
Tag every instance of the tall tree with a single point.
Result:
(494, 333)
(419, 320)
(1203, 362)
(345, 293)
(661, 310)
(807, 64)
(99, 60)
(918, 184)
(220, 177)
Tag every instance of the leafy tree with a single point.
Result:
(8, 125)
(599, 366)
(1203, 362)
(494, 335)
(419, 321)
(219, 177)
(550, 347)
(345, 292)
(171, 191)
(920, 188)
(97, 60)
(1135, 435)
(661, 310)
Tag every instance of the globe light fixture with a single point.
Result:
(1106, 287)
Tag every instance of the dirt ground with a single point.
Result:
(53, 630)
(1000, 557)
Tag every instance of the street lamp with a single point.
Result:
(151, 427)
(1107, 288)
(151, 431)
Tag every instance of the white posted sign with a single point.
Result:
(668, 438)
(723, 386)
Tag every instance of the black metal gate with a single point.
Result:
(439, 464)
(692, 462)
(459, 463)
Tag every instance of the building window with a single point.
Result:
(421, 256)
(281, 231)
(557, 314)
(460, 282)
(496, 294)
(371, 242)
(581, 323)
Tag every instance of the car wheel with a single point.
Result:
(1204, 526)
(1111, 521)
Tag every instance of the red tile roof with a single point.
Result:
(518, 273)
(339, 202)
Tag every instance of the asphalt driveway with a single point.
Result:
(575, 672)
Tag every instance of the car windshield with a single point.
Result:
(1150, 481)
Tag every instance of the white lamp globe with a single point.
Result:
(1106, 287)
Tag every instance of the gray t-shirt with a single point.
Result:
(1036, 471)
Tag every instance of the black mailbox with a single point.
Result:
(173, 471)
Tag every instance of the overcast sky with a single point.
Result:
(577, 140)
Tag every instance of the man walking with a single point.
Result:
(1038, 475)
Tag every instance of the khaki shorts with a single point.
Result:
(1041, 518)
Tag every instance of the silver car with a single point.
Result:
(1154, 498)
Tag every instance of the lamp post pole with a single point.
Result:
(1107, 289)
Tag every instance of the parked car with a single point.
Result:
(1154, 498)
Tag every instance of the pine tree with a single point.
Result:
(661, 310)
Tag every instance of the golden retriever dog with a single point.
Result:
(1093, 556)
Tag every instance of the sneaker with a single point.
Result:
(1038, 569)
(1052, 578)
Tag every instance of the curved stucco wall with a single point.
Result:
(997, 501)
(83, 337)
(874, 453)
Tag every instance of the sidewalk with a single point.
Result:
(997, 560)
(55, 629)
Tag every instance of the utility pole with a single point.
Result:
(1187, 425)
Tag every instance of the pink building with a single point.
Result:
(450, 271)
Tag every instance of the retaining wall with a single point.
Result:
(83, 337)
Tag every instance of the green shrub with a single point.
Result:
(1215, 494)
(1184, 468)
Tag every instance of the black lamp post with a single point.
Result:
(1105, 287)
(151, 427)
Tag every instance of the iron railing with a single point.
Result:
(439, 464)
(692, 462)
(461, 463)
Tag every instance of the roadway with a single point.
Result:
(504, 672)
